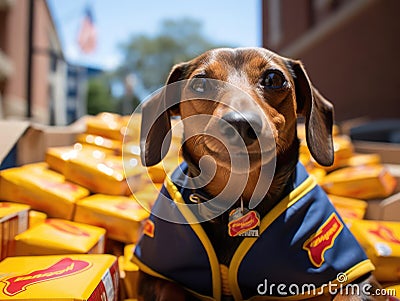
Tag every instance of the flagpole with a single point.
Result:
(31, 15)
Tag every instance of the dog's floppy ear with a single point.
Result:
(155, 132)
(318, 113)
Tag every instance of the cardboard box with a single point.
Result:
(10, 133)
(121, 216)
(388, 208)
(38, 138)
(57, 236)
(44, 190)
(66, 278)
(381, 242)
(389, 152)
(394, 170)
(13, 221)
(23, 142)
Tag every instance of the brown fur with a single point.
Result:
(243, 68)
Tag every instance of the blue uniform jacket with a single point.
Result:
(303, 246)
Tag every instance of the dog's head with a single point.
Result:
(262, 96)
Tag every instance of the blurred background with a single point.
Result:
(60, 60)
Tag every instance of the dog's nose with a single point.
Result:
(245, 126)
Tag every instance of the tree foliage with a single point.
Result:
(99, 98)
(151, 57)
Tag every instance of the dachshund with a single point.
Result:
(240, 219)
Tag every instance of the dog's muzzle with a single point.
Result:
(237, 127)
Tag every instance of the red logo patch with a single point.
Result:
(243, 224)
(323, 239)
(65, 267)
(148, 228)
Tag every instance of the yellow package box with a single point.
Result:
(99, 141)
(362, 182)
(349, 207)
(56, 236)
(133, 123)
(343, 149)
(147, 194)
(42, 189)
(13, 221)
(65, 277)
(108, 125)
(109, 175)
(316, 172)
(121, 216)
(393, 290)
(381, 242)
(36, 218)
(57, 157)
(129, 272)
(363, 159)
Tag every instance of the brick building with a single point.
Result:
(350, 49)
(32, 66)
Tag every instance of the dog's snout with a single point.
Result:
(237, 127)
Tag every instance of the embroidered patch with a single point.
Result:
(148, 228)
(323, 239)
(242, 224)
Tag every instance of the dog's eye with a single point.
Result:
(199, 84)
(274, 80)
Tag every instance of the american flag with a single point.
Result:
(87, 38)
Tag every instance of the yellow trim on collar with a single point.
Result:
(306, 186)
(198, 229)
(300, 191)
(359, 270)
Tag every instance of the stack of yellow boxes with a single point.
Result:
(353, 183)
(86, 199)
(94, 196)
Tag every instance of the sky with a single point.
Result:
(231, 22)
